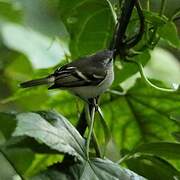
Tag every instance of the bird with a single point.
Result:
(87, 77)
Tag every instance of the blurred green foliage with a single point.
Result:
(37, 36)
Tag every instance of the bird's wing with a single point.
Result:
(69, 76)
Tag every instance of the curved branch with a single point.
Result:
(133, 41)
(121, 27)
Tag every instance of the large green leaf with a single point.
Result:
(94, 169)
(141, 115)
(90, 24)
(58, 134)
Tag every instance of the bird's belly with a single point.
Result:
(87, 92)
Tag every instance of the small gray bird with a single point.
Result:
(86, 77)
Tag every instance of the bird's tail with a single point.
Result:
(37, 82)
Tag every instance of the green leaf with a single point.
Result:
(153, 168)
(58, 134)
(94, 169)
(90, 24)
(41, 162)
(162, 149)
(140, 116)
(169, 33)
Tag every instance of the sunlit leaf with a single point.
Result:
(37, 49)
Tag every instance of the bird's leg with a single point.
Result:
(93, 103)
(90, 121)
(96, 103)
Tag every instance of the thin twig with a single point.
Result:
(116, 92)
(124, 158)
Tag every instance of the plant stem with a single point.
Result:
(148, 5)
(147, 25)
(146, 80)
(116, 92)
(153, 37)
(163, 6)
(175, 15)
(124, 158)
